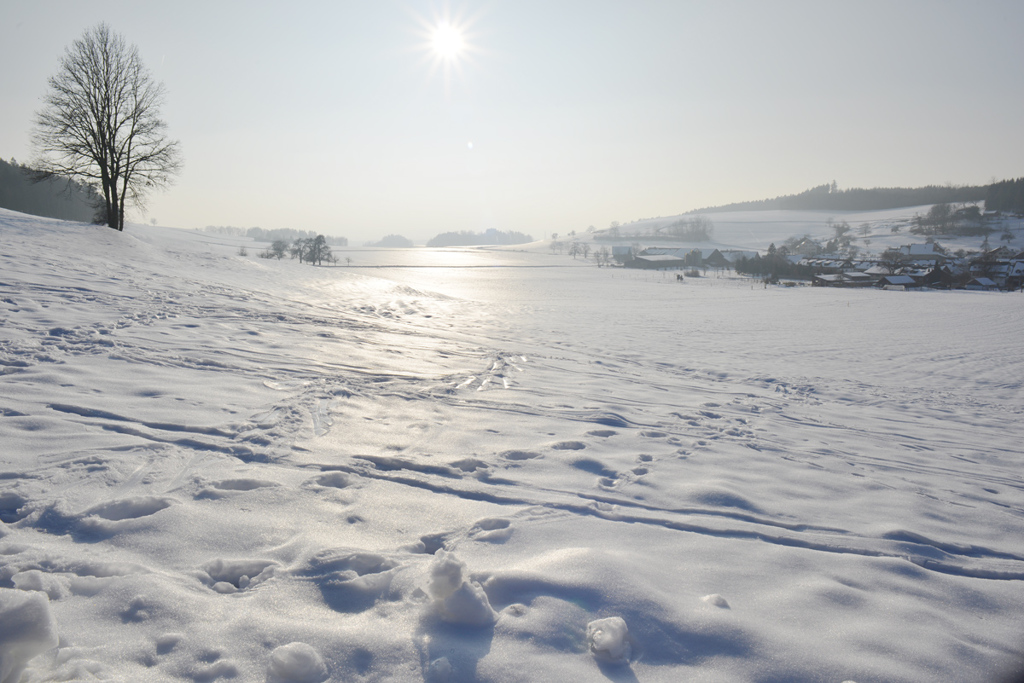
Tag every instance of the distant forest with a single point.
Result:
(258, 234)
(54, 198)
(468, 239)
(830, 198)
(1006, 195)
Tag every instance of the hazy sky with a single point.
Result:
(340, 117)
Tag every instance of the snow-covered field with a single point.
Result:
(495, 466)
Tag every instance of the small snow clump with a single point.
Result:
(296, 663)
(609, 639)
(716, 600)
(456, 599)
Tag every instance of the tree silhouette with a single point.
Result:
(100, 123)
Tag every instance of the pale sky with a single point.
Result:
(340, 117)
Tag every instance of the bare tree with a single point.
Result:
(317, 250)
(279, 248)
(299, 248)
(100, 123)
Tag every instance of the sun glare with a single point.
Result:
(447, 41)
(448, 46)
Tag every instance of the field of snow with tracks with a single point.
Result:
(495, 465)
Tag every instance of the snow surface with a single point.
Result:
(461, 465)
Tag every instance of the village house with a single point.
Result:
(1003, 265)
(897, 282)
(981, 284)
(670, 258)
(923, 252)
(850, 279)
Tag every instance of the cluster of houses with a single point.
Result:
(671, 258)
(921, 266)
(916, 266)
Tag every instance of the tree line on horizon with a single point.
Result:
(258, 234)
(467, 238)
(829, 197)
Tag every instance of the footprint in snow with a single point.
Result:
(350, 580)
(520, 455)
(116, 515)
(243, 484)
(469, 464)
(12, 507)
(231, 576)
(227, 487)
(334, 480)
(491, 530)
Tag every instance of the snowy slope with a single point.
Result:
(223, 467)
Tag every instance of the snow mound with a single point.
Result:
(456, 599)
(296, 663)
(609, 640)
(35, 580)
(26, 630)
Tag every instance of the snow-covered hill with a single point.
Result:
(445, 465)
(872, 231)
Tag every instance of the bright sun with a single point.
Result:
(447, 41)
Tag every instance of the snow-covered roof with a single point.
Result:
(734, 255)
(919, 249)
(659, 257)
(898, 280)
